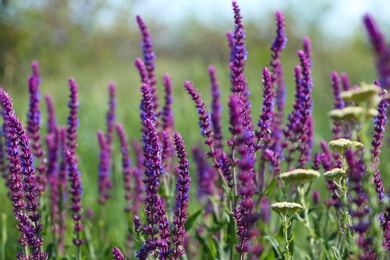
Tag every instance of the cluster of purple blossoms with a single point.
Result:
(22, 183)
(382, 50)
(74, 177)
(33, 127)
(182, 197)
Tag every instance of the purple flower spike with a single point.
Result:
(307, 50)
(204, 116)
(345, 82)
(126, 169)
(142, 70)
(24, 193)
(244, 213)
(72, 163)
(33, 127)
(105, 183)
(167, 114)
(167, 126)
(51, 117)
(305, 103)
(149, 57)
(240, 54)
(379, 129)
(381, 49)
(338, 103)
(279, 43)
(154, 209)
(182, 197)
(117, 254)
(73, 121)
(235, 120)
(205, 174)
(230, 39)
(264, 123)
(316, 197)
(376, 36)
(111, 115)
(216, 109)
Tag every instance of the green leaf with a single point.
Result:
(275, 246)
(271, 187)
(191, 220)
(209, 247)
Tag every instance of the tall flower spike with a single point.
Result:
(305, 107)
(167, 123)
(111, 115)
(149, 60)
(240, 54)
(244, 213)
(230, 39)
(126, 168)
(204, 116)
(105, 183)
(338, 103)
(382, 51)
(264, 123)
(216, 109)
(74, 174)
(167, 114)
(279, 43)
(21, 163)
(379, 129)
(73, 121)
(142, 70)
(154, 209)
(33, 127)
(182, 197)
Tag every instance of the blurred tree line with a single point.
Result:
(72, 33)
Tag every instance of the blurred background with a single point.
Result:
(97, 41)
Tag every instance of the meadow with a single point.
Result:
(321, 228)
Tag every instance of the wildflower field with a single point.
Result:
(252, 175)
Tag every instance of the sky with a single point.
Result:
(336, 17)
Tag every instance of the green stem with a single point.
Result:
(3, 234)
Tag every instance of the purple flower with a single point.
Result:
(244, 212)
(142, 70)
(279, 43)
(206, 175)
(105, 183)
(117, 254)
(204, 116)
(226, 167)
(154, 209)
(111, 115)
(73, 121)
(182, 197)
(74, 175)
(264, 123)
(149, 57)
(230, 39)
(381, 49)
(345, 82)
(376, 36)
(33, 127)
(166, 113)
(237, 64)
(216, 109)
(167, 126)
(316, 197)
(305, 111)
(338, 104)
(24, 193)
